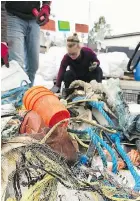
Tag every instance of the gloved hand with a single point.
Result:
(55, 89)
(93, 66)
(4, 54)
(45, 12)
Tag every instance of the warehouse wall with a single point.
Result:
(130, 41)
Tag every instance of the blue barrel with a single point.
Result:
(137, 72)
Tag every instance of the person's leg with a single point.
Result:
(69, 77)
(96, 74)
(16, 32)
(33, 48)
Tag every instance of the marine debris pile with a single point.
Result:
(78, 158)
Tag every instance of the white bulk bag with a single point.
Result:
(12, 77)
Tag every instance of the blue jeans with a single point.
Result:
(24, 44)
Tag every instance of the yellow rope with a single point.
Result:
(33, 193)
(95, 196)
(93, 123)
(107, 190)
(11, 199)
(101, 134)
(79, 140)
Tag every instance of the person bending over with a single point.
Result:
(83, 64)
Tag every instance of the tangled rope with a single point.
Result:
(38, 157)
(96, 139)
(136, 176)
(15, 96)
(116, 139)
(98, 105)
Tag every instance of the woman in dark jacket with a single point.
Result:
(83, 64)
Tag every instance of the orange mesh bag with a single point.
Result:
(32, 123)
(59, 141)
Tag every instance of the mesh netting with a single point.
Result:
(34, 172)
(130, 124)
(38, 167)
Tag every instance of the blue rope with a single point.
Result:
(116, 139)
(11, 92)
(100, 151)
(96, 139)
(14, 96)
(99, 106)
(78, 98)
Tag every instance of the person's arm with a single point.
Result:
(94, 62)
(62, 70)
(94, 57)
(95, 66)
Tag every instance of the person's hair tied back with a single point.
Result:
(73, 40)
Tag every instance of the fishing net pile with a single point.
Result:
(39, 170)
(108, 97)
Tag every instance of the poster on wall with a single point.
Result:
(81, 28)
(63, 26)
(50, 26)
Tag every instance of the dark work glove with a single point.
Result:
(55, 89)
(43, 16)
(93, 66)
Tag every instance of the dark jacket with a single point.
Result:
(3, 22)
(23, 9)
(80, 66)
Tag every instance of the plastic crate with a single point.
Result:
(131, 96)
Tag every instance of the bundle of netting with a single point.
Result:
(129, 123)
(33, 171)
